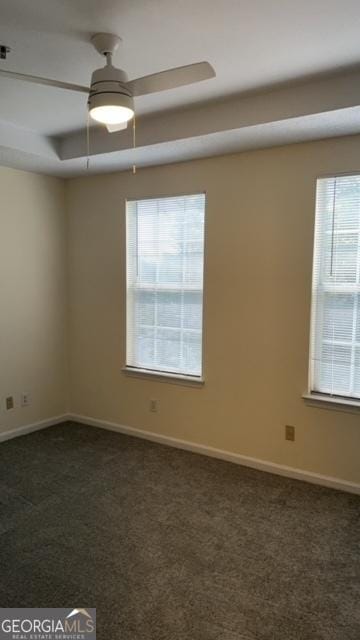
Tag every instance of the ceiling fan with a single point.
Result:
(111, 94)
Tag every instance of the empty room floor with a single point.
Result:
(167, 544)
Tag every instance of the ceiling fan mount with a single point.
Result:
(105, 43)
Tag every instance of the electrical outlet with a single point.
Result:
(25, 399)
(153, 406)
(9, 403)
(289, 432)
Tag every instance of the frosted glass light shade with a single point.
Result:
(111, 114)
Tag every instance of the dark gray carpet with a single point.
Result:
(171, 545)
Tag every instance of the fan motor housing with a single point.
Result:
(107, 84)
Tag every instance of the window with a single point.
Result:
(165, 264)
(335, 326)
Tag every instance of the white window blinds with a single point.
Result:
(335, 326)
(165, 258)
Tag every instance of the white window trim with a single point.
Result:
(168, 376)
(335, 403)
(164, 376)
(347, 404)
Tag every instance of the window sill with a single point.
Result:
(158, 376)
(337, 403)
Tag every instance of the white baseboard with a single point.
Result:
(237, 458)
(29, 428)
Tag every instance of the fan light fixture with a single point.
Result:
(110, 101)
(111, 114)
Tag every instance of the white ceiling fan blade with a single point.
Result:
(171, 78)
(45, 81)
(112, 128)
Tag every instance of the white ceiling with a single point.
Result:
(252, 44)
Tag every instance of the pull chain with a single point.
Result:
(88, 142)
(134, 143)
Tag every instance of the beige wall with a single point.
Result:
(259, 240)
(32, 297)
